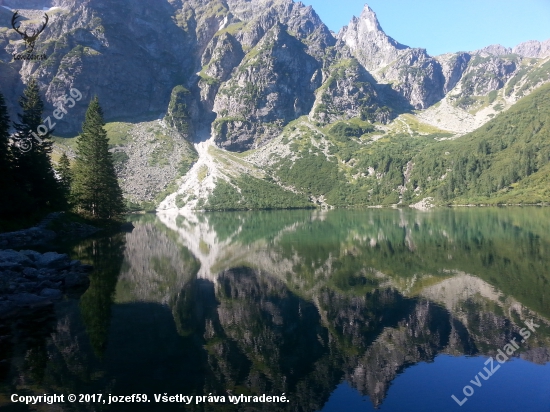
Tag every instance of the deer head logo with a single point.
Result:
(30, 34)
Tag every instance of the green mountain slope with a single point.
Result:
(504, 161)
(355, 163)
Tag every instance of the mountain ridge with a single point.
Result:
(238, 73)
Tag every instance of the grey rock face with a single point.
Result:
(530, 49)
(302, 21)
(221, 56)
(417, 77)
(10, 82)
(453, 67)
(494, 50)
(126, 53)
(273, 85)
(485, 74)
(370, 45)
(533, 48)
(132, 55)
(347, 93)
(249, 66)
(250, 105)
(414, 75)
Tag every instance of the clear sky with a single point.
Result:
(442, 26)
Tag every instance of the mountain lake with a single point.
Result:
(303, 310)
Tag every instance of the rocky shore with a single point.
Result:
(29, 279)
(43, 234)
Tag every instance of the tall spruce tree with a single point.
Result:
(95, 186)
(33, 167)
(65, 174)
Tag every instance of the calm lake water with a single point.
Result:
(390, 310)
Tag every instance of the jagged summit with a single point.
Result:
(367, 40)
(368, 16)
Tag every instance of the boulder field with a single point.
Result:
(29, 279)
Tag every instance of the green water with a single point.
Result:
(393, 309)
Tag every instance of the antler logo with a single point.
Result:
(30, 34)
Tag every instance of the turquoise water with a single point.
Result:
(391, 310)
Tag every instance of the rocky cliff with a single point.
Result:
(251, 67)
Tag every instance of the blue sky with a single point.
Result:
(442, 26)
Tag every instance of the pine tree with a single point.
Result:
(33, 167)
(65, 175)
(95, 186)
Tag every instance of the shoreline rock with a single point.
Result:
(40, 234)
(29, 279)
(425, 204)
(33, 236)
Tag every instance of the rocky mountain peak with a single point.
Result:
(369, 19)
(533, 48)
(368, 42)
(493, 50)
(529, 49)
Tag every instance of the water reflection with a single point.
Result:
(295, 302)
(105, 255)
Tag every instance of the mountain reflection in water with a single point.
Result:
(341, 310)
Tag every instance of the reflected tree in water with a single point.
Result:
(106, 255)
